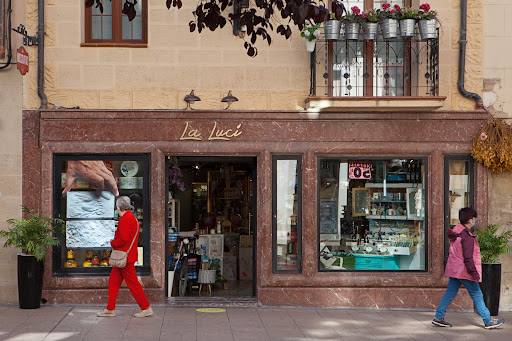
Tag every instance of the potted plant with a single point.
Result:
(388, 20)
(370, 24)
(492, 245)
(332, 28)
(352, 21)
(407, 17)
(311, 32)
(32, 235)
(427, 22)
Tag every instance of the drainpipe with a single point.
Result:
(9, 50)
(40, 54)
(462, 57)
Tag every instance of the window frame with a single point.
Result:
(117, 29)
(346, 158)
(471, 174)
(275, 159)
(144, 160)
(368, 50)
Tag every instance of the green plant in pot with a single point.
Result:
(32, 235)
(492, 245)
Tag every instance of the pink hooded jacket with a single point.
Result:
(464, 260)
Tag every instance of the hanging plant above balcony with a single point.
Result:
(492, 146)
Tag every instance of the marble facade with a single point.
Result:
(260, 134)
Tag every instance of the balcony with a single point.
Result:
(373, 75)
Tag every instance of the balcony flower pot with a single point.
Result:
(492, 245)
(332, 29)
(352, 31)
(310, 32)
(310, 45)
(389, 28)
(32, 236)
(407, 27)
(370, 30)
(427, 28)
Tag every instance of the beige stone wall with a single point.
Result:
(11, 90)
(497, 96)
(211, 63)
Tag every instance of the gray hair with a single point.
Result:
(124, 203)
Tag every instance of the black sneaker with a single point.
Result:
(442, 322)
(494, 324)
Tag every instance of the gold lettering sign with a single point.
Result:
(216, 133)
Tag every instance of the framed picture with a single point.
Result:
(360, 202)
(415, 204)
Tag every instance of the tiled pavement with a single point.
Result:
(238, 323)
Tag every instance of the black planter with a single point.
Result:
(30, 282)
(491, 286)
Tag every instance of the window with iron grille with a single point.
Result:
(113, 28)
(404, 66)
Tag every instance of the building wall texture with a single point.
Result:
(11, 91)
(497, 95)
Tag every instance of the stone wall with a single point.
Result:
(497, 95)
(11, 90)
(211, 63)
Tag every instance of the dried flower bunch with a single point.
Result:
(492, 146)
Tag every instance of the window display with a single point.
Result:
(85, 193)
(286, 213)
(372, 214)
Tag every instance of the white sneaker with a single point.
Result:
(106, 313)
(144, 313)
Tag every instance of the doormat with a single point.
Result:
(211, 310)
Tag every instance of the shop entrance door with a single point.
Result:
(212, 227)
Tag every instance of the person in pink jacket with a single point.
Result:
(464, 267)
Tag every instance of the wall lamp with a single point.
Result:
(190, 99)
(229, 99)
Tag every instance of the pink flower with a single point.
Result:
(397, 7)
(355, 10)
(425, 7)
(363, 15)
(392, 11)
(386, 6)
(483, 136)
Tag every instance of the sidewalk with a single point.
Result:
(79, 322)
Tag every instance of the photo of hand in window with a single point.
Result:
(93, 171)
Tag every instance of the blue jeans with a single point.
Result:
(473, 290)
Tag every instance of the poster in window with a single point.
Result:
(89, 233)
(86, 205)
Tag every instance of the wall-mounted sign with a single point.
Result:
(360, 170)
(216, 133)
(22, 60)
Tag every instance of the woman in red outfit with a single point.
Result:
(127, 229)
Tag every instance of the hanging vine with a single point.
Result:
(492, 146)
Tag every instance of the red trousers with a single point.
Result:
(130, 278)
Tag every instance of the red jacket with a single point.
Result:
(125, 232)
(464, 260)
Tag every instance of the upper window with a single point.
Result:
(361, 64)
(372, 214)
(112, 27)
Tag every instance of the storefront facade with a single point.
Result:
(373, 239)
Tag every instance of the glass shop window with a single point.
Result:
(286, 214)
(372, 214)
(84, 197)
(459, 193)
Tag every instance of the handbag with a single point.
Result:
(118, 258)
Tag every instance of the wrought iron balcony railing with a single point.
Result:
(375, 68)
